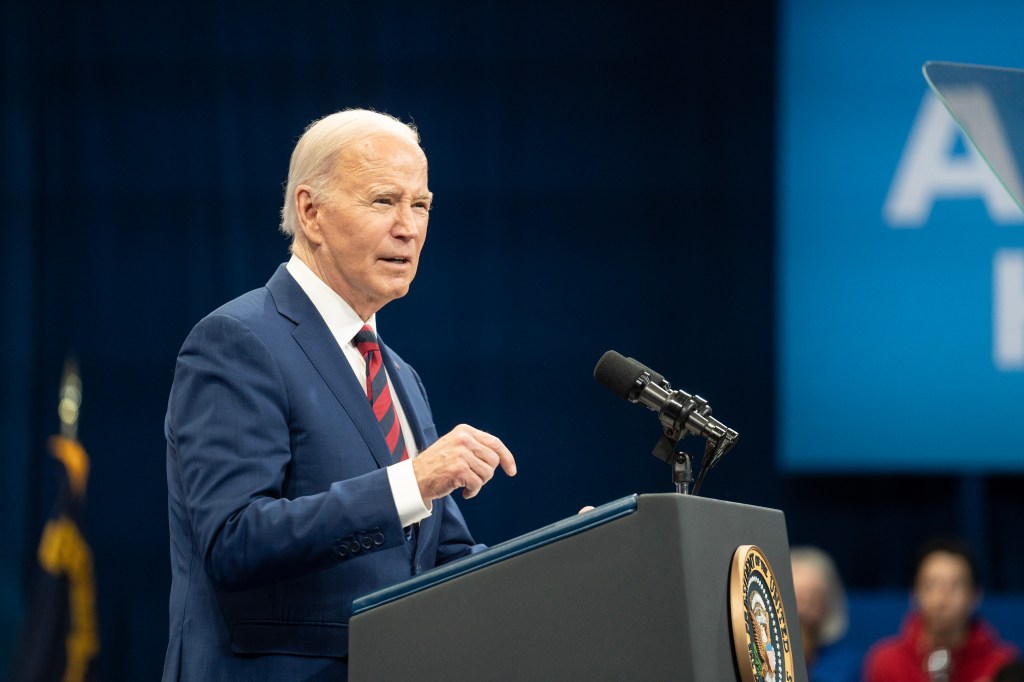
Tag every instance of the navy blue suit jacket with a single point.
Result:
(280, 508)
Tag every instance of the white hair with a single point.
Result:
(837, 618)
(315, 156)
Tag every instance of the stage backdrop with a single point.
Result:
(586, 160)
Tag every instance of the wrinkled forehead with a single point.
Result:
(383, 154)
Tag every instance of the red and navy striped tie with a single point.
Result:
(379, 394)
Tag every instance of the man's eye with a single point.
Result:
(421, 205)
(384, 201)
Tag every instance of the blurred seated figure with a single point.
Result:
(942, 637)
(821, 609)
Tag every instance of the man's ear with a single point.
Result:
(307, 210)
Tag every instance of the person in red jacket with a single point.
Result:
(942, 638)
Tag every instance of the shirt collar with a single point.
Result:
(341, 319)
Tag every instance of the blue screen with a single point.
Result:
(900, 254)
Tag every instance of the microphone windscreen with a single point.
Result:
(618, 373)
(655, 377)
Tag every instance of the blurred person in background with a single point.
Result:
(942, 638)
(821, 608)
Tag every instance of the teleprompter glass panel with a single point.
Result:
(988, 104)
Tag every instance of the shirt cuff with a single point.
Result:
(406, 492)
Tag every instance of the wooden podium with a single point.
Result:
(638, 589)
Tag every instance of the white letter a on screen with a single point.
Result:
(929, 169)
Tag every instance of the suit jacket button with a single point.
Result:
(366, 542)
(378, 539)
(355, 547)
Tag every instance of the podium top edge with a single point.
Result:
(500, 552)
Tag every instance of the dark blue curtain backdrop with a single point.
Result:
(604, 179)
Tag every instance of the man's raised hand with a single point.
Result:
(465, 458)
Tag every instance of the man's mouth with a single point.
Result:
(399, 261)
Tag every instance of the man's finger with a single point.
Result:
(482, 464)
(505, 458)
(471, 485)
(508, 462)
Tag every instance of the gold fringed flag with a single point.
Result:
(60, 639)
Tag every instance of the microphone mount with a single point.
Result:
(682, 414)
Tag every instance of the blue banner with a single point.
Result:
(901, 255)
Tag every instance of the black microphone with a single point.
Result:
(624, 376)
(937, 665)
(680, 412)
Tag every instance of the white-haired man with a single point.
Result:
(303, 465)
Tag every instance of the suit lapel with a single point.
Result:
(319, 345)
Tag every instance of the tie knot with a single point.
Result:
(366, 340)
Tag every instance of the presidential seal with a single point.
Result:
(760, 633)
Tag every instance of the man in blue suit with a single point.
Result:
(289, 493)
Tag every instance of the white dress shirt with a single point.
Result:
(344, 323)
